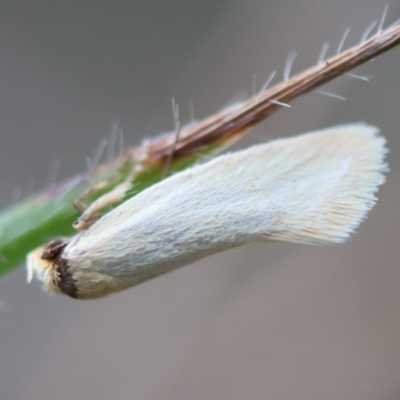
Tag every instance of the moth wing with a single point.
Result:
(312, 188)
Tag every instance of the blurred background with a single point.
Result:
(277, 321)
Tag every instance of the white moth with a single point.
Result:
(314, 188)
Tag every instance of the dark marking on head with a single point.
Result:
(66, 282)
(53, 249)
(53, 252)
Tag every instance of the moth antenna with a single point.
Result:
(254, 85)
(382, 20)
(323, 52)
(367, 31)
(329, 94)
(342, 40)
(270, 78)
(288, 65)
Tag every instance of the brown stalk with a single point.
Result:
(231, 123)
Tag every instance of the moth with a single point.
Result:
(314, 188)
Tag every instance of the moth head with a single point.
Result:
(42, 264)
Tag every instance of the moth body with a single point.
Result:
(314, 188)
